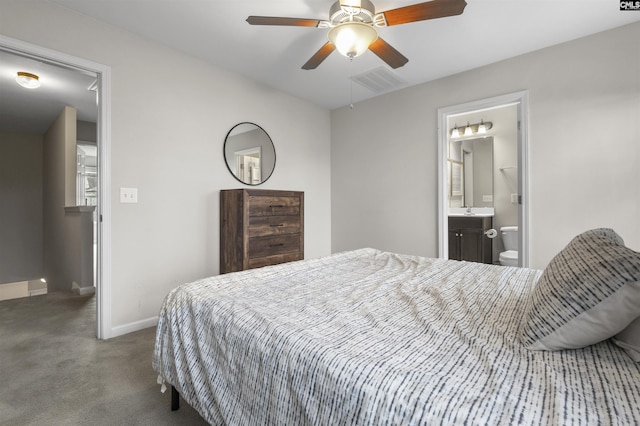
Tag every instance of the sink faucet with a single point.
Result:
(469, 209)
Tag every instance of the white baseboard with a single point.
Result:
(84, 290)
(14, 290)
(77, 289)
(38, 292)
(133, 326)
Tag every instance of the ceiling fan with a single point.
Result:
(352, 27)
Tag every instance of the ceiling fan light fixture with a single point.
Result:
(28, 80)
(352, 39)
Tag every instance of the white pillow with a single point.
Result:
(589, 292)
(629, 339)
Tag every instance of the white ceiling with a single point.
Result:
(33, 110)
(215, 30)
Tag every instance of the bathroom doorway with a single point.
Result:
(504, 193)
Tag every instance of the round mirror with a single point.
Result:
(249, 153)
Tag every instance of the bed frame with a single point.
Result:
(175, 399)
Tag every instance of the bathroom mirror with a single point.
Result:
(249, 153)
(470, 163)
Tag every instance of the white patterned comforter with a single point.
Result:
(375, 338)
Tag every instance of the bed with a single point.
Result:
(368, 337)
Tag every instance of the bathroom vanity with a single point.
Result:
(467, 239)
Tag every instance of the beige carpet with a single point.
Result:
(53, 370)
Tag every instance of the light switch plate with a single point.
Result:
(128, 195)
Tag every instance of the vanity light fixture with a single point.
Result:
(467, 130)
(28, 80)
(480, 128)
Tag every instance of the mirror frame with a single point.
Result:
(226, 161)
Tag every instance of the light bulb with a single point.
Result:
(28, 80)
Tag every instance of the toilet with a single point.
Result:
(509, 257)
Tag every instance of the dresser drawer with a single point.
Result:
(275, 244)
(260, 226)
(273, 205)
(259, 262)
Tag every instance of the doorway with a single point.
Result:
(513, 176)
(103, 207)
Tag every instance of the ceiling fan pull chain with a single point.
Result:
(351, 82)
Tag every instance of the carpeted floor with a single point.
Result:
(53, 370)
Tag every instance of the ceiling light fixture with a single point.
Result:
(28, 80)
(480, 128)
(351, 23)
(352, 39)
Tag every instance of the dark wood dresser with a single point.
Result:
(260, 227)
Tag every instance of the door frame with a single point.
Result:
(521, 99)
(103, 72)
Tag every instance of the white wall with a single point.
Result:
(167, 140)
(584, 149)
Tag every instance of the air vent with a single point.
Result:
(379, 80)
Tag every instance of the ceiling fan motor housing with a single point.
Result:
(339, 14)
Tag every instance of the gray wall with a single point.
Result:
(86, 131)
(59, 139)
(166, 140)
(505, 182)
(584, 153)
(20, 207)
(78, 247)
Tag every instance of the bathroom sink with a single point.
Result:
(474, 211)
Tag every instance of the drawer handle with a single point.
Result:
(276, 245)
(276, 225)
(276, 206)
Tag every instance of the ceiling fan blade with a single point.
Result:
(276, 20)
(423, 11)
(388, 53)
(319, 56)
